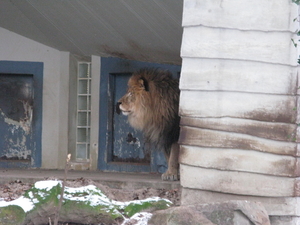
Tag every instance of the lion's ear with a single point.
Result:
(144, 84)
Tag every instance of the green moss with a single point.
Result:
(42, 196)
(11, 215)
(139, 206)
(85, 206)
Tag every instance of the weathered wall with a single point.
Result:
(239, 104)
(55, 92)
(72, 116)
(95, 101)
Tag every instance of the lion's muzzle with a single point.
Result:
(118, 110)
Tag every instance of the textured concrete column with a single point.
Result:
(239, 104)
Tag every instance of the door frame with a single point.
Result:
(111, 66)
(36, 70)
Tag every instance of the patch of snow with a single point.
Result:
(88, 188)
(24, 203)
(140, 202)
(93, 195)
(47, 184)
(138, 219)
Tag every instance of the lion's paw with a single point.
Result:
(170, 177)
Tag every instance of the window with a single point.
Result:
(83, 111)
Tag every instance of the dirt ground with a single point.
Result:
(15, 189)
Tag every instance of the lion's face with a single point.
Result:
(127, 104)
(132, 104)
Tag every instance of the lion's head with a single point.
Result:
(151, 104)
(136, 102)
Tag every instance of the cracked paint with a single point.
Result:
(24, 123)
(16, 114)
(16, 139)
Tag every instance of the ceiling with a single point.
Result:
(145, 30)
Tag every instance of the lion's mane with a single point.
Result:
(153, 99)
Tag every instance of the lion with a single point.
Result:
(151, 104)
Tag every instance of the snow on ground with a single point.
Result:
(47, 184)
(25, 203)
(139, 219)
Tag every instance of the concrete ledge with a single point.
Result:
(110, 179)
(239, 183)
(220, 43)
(277, 15)
(284, 220)
(277, 207)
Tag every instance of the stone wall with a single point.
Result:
(239, 104)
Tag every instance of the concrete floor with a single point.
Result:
(110, 179)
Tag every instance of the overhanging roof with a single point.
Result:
(145, 30)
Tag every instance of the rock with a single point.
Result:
(179, 216)
(84, 205)
(226, 213)
(12, 215)
(147, 205)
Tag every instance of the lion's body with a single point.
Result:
(151, 104)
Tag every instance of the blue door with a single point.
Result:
(122, 148)
(20, 114)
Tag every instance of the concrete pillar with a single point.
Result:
(239, 104)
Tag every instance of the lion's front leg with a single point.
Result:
(172, 173)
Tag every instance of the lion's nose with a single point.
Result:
(118, 110)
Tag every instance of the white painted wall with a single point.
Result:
(238, 103)
(95, 90)
(55, 92)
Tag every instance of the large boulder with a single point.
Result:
(226, 213)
